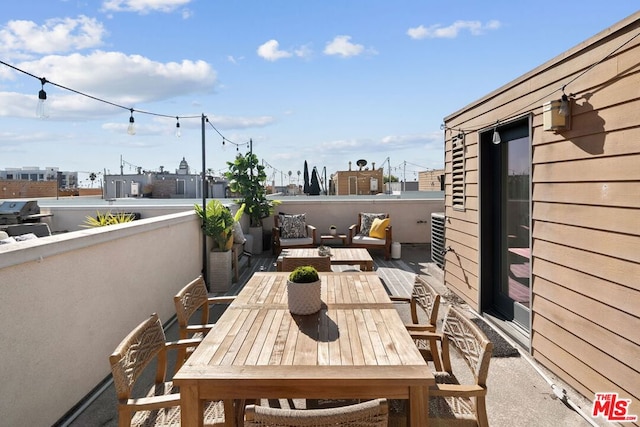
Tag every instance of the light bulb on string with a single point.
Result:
(496, 136)
(178, 132)
(42, 108)
(131, 130)
(564, 109)
(224, 147)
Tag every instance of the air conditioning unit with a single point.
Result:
(437, 239)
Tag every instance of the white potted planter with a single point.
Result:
(333, 230)
(220, 270)
(256, 233)
(303, 291)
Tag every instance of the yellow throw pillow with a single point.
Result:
(378, 227)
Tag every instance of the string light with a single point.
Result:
(178, 132)
(496, 136)
(131, 130)
(42, 110)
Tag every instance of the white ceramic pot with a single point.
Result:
(304, 298)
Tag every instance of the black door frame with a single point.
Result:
(492, 158)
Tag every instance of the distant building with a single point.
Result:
(432, 180)
(164, 185)
(35, 174)
(357, 182)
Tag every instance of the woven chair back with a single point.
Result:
(134, 353)
(427, 298)
(191, 298)
(472, 344)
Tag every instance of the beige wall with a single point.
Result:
(68, 300)
(585, 210)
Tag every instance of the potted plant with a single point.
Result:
(333, 230)
(303, 291)
(107, 218)
(246, 177)
(217, 223)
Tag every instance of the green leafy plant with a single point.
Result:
(304, 274)
(103, 219)
(217, 222)
(246, 177)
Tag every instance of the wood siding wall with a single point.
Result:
(430, 180)
(585, 211)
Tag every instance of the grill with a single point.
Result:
(13, 212)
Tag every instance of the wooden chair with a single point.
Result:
(321, 263)
(452, 403)
(427, 300)
(191, 299)
(281, 241)
(358, 235)
(373, 413)
(161, 405)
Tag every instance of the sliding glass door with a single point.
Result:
(505, 256)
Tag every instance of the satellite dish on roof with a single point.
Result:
(361, 163)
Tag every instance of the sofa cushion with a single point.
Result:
(378, 228)
(366, 219)
(293, 226)
(238, 235)
(305, 241)
(359, 239)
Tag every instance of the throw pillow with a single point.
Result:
(366, 219)
(293, 226)
(238, 235)
(378, 227)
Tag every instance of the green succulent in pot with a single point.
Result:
(304, 274)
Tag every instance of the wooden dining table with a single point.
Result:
(355, 347)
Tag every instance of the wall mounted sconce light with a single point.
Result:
(556, 115)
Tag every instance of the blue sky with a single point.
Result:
(324, 81)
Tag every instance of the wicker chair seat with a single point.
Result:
(373, 413)
(457, 411)
(213, 411)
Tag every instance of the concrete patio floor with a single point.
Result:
(520, 391)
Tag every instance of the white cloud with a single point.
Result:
(304, 51)
(121, 78)
(342, 46)
(228, 122)
(271, 51)
(476, 28)
(143, 6)
(404, 141)
(55, 36)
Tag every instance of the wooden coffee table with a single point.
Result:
(339, 256)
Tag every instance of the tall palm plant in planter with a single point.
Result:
(246, 177)
(218, 224)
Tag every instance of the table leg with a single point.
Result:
(230, 414)
(191, 407)
(418, 407)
